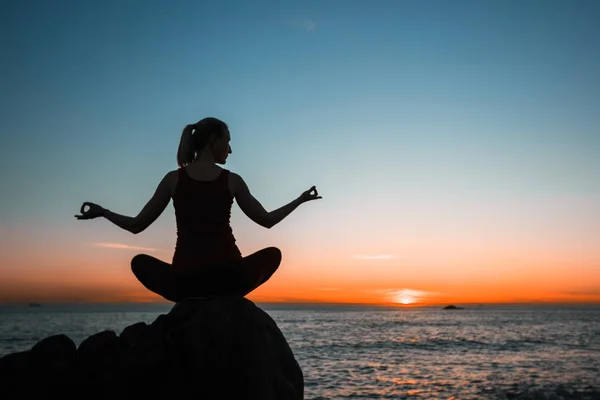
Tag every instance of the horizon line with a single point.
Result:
(329, 304)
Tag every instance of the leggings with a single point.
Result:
(233, 278)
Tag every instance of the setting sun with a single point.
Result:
(407, 296)
(406, 300)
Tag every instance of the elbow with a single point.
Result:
(268, 222)
(136, 226)
(265, 221)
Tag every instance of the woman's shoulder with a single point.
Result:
(173, 174)
(171, 178)
(234, 181)
(233, 176)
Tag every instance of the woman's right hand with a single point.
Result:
(94, 211)
(310, 194)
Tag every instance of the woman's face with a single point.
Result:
(221, 148)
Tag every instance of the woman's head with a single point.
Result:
(209, 134)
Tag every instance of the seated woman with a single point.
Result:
(206, 262)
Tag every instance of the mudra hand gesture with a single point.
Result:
(94, 211)
(310, 194)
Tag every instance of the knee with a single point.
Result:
(137, 262)
(275, 256)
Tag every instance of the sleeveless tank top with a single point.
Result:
(202, 216)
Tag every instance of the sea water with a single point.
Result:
(354, 352)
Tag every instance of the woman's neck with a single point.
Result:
(204, 160)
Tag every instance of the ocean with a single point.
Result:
(355, 352)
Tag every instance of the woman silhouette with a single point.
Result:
(206, 262)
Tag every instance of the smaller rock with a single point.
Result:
(99, 356)
(133, 334)
(452, 307)
(57, 352)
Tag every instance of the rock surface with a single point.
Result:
(226, 348)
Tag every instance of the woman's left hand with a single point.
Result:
(94, 211)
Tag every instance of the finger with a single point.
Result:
(85, 204)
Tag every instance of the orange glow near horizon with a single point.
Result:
(97, 283)
(407, 275)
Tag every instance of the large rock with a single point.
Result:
(225, 348)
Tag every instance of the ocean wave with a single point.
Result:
(428, 344)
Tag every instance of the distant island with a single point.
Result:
(452, 307)
(34, 304)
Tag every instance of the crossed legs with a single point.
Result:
(236, 278)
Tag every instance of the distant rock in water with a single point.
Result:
(452, 307)
(33, 304)
(226, 348)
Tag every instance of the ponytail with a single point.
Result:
(203, 132)
(187, 148)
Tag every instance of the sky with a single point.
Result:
(455, 144)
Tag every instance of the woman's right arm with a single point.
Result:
(257, 213)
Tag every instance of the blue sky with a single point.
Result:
(403, 113)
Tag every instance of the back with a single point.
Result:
(202, 214)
